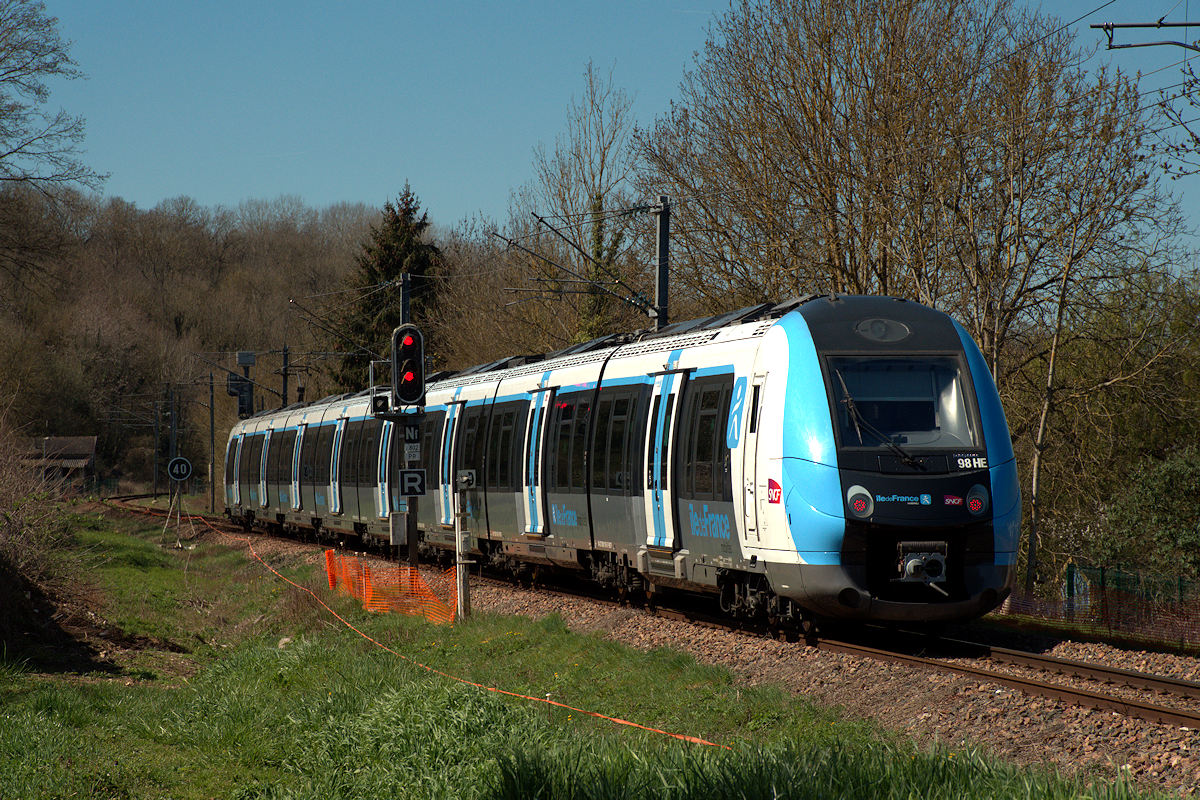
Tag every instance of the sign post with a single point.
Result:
(406, 407)
(464, 481)
(179, 469)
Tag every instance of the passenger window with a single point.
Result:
(431, 446)
(368, 452)
(618, 469)
(323, 454)
(579, 447)
(663, 464)
(600, 446)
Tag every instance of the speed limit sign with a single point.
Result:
(179, 468)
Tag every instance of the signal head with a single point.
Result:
(408, 366)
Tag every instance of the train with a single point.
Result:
(834, 458)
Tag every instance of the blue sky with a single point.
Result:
(226, 101)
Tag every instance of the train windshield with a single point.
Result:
(916, 401)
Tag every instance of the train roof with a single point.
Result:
(689, 331)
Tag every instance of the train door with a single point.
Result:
(503, 483)
(264, 499)
(429, 510)
(384, 466)
(295, 462)
(661, 530)
(233, 458)
(353, 471)
(533, 509)
(335, 478)
(449, 435)
(250, 460)
(750, 474)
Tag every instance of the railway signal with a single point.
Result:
(241, 388)
(408, 366)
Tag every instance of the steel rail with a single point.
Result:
(1088, 671)
(1080, 697)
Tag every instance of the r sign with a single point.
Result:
(412, 482)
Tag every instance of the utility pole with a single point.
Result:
(173, 448)
(284, 401)
(157, 443)
(212, 448)
(405, 298)
(662, 261)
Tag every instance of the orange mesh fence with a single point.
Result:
(392, 587)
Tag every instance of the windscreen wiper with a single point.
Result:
(860, 422)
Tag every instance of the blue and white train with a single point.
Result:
(832, 457)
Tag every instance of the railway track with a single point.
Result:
(1107, 697)
(1109, 688)
(1082, 669)
(1076, 695)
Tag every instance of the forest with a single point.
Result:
(954, 153)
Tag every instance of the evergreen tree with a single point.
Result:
(399, 244)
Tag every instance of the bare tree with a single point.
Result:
(37, 146)
(809, 142)
(581, 189)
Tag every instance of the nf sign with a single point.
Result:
(179, 468)
(412, 482)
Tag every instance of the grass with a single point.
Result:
(245, 714)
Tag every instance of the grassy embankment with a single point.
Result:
(233, 684)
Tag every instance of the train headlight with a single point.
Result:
(860, 502)
(977, 500)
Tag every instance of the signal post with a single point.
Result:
(406, 408)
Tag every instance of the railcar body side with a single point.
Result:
(835, 457)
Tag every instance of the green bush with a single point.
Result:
(1155, 523)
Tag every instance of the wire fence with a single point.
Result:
(1115, 603)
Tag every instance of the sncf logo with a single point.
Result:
(774, 491)
(952, 500)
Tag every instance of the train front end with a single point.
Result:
(887, 482)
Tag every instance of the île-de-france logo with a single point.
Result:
(908, 499)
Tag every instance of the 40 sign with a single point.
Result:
(179, 468)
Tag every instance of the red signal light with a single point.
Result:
(408, 376)
(408, 341)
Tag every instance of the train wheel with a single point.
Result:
(808, 629)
